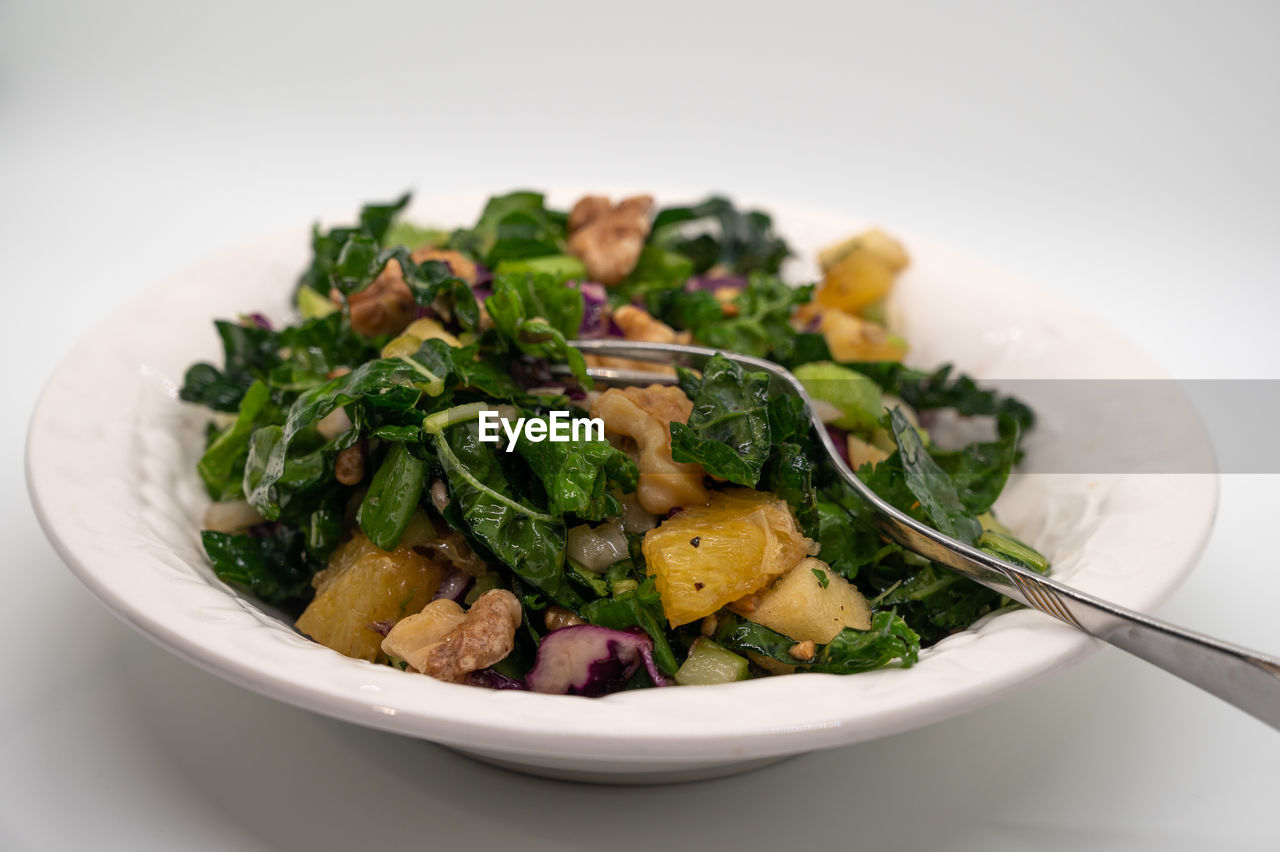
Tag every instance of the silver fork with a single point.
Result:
(1249, 680)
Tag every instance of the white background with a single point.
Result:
(1123, 154)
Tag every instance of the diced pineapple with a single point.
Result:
(363, 585)
(861, 452)
(857, 281)
(874, 242)
(801, 607)
(412, 338)
(709, 555)
(426, 328)
(853, 339)
(859, 272)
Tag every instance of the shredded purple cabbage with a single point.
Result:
(589, 660)
(454, 587)
(595, 314)
(839, 438)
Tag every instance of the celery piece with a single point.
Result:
(858, 397)
(561, 267)
(313, 305)
(1015, 551)
(709, 663)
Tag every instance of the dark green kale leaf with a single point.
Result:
(301, 482)
(848, 538)
(514, 226)
(762, 320)
(434, 286)
(524, 537)
(325, 527)
(789, 474)
(271, 565)
(737, 634)
(544, 296)
(248, 354)
(914, 483)
(728, 429)
(758, 320)
(514, 308)
(221, 468)
(469, 373)
(714, 233)
(326, 245)
(980, 470)
(577, 475)
(935, 600)
(851, 651)
(397, 383)
(789, 420)
(694, 311)
(311, 351)
(204, 384)
(801, 347)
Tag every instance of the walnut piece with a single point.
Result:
(803, 651)
(348, 467)
(385, 306)
(447, 643)
(557, 616)
(637, 324)
(645, 415)
(608, 238)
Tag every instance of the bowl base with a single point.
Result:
(590, 772)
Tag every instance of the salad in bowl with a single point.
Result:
(420, 471)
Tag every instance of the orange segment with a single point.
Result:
(362, 585)
(708, 556)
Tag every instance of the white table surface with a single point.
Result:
(1124, 154)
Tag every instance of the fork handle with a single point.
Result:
(1247, 679)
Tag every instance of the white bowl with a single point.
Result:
(110, 465)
